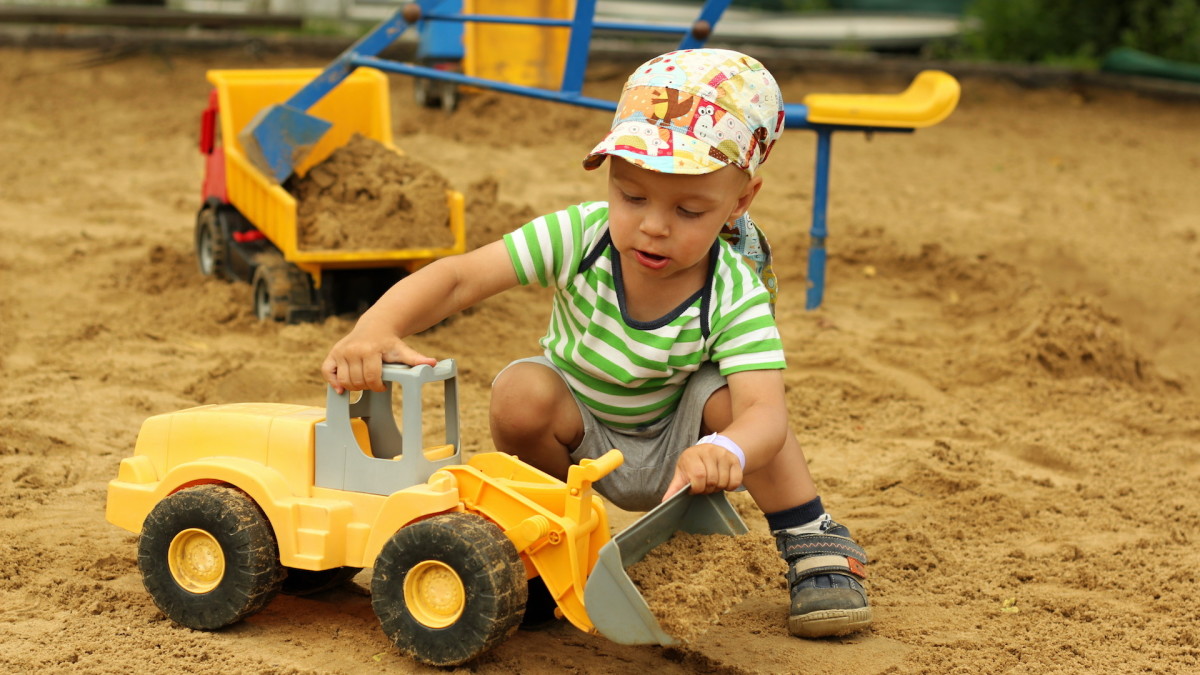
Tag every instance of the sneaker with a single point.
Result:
(824, 573)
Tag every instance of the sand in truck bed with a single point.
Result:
(365, 196)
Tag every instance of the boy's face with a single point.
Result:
(663, 225)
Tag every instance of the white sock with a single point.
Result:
(812, 527)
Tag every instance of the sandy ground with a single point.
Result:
(997, 396)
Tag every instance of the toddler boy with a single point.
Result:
(662, 341)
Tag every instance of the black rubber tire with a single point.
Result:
(448, 96)
(539, 608)
(309, 582)
(281, 291)
(211, 247)
(264, 296)
(252, 573)
(425, 93)
(492, 577)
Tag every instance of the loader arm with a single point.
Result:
(558, 529)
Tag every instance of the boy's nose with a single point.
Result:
(655, 225)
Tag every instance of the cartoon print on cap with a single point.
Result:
(711, 107)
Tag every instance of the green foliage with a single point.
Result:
(1167, 29)
(1081, 31)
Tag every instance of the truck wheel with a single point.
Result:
(210, 244)
(448, 97)
(423, 93)
(282, 291)
(309, 582)
(449, 588)
(269, 303)
(208, 557)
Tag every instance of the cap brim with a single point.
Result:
(656, 148)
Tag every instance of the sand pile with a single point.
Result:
(365, 196)
(692, 579)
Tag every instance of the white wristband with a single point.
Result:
(728, 444)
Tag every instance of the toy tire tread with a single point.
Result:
(282, 291)
(490, 569)
(211, 247)
(252, 574)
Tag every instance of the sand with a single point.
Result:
(364, 196)
(690, 580)
(997, 396)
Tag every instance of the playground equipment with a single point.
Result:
(280, 135)
(235, 503)
(246, 228)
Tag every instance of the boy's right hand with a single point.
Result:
(707, 468)
(356, 361)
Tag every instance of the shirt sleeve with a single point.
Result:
(744, 333)
(547, 250)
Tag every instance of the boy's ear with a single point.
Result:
(746, 197)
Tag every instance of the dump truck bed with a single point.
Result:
(359, 105)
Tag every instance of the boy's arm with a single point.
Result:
(758, 426)
(416, 302)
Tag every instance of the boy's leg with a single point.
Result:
(825, 565)
(535, 417)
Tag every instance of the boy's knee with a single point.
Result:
(528, 397)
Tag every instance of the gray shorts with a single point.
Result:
(650, 453)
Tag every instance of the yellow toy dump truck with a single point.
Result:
(237, 502)
(246, 228)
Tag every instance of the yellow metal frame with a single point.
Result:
(358, 105)
(530, 56)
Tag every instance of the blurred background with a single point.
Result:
(1157, 38)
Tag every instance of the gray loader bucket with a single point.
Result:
(616, 608)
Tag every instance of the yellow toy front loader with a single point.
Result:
(235, 503)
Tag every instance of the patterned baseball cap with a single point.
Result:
(694, 111)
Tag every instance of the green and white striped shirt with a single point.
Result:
(631, 373)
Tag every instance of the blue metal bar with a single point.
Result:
(796, 117)
(555, 23)
(380, 38)
(439, 40)
(496, 85)
(577, 48)
(816, 245)
(711, 12)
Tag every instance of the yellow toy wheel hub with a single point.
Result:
(196, 560)
(434, 594)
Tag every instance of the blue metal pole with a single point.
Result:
(711, 12)
(816, 245)
(577, 48)
(553, 23)
(379, 39)
(496, 85)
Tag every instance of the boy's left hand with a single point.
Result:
(708, 468)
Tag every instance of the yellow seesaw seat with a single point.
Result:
(930, 98)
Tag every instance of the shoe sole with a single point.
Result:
(829, 622)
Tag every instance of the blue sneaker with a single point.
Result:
(824, 575)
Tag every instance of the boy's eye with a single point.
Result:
(631, 198)
(690, 214)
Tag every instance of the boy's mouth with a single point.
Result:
(651, 260)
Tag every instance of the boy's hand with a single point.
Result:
(708, 468)
(356, 361)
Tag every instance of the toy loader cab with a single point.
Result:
(359, 447)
